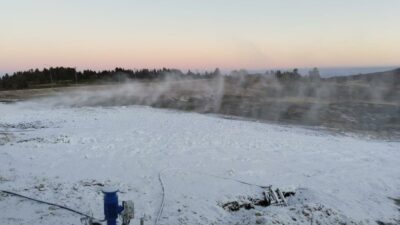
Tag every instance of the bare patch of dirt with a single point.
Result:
(6, 138)
(250, 202)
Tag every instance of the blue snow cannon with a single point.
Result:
(112, 209)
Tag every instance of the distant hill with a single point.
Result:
(391, 77)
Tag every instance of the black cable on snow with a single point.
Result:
(160, 211)
(47, 203)
(162, 200)
(233, 179)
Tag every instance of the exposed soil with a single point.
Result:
(250, 202)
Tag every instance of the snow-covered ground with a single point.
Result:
(65, 155)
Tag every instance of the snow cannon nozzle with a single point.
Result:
(112, 209)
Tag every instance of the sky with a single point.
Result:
(198, 34)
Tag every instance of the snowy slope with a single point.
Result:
(64, 155)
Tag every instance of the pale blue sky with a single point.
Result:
(199, 34)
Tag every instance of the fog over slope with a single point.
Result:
(362, 103)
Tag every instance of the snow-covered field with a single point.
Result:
(65, 155)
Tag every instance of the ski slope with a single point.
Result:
(65, 155)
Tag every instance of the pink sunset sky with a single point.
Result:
(199, 35)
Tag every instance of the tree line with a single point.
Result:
(66, 75)
(61, 76)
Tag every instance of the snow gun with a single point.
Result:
(112, 209)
